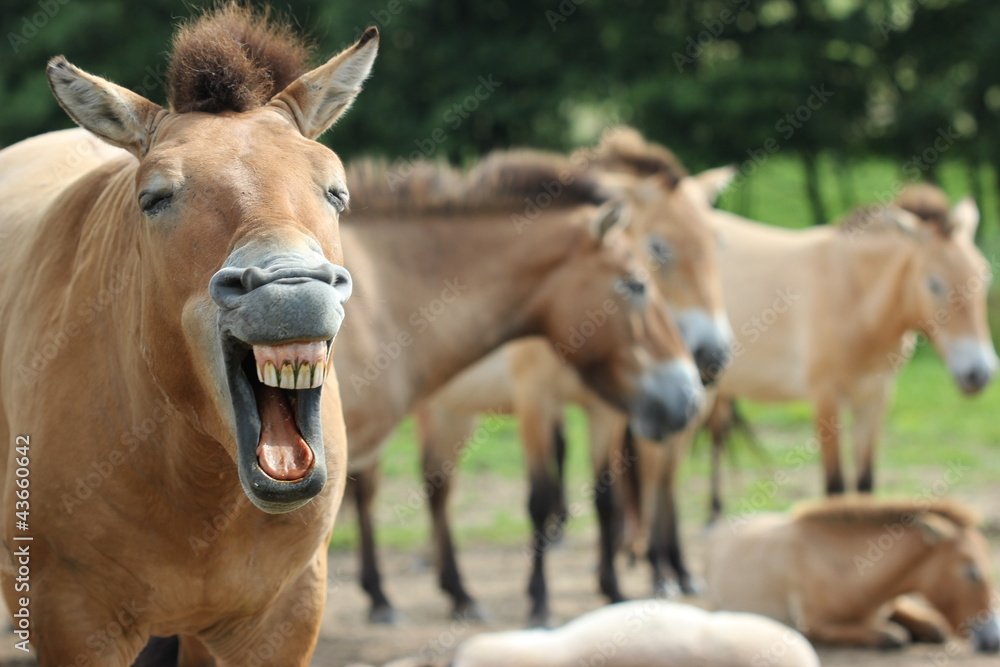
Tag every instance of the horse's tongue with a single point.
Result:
(281, 452)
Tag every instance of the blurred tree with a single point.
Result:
(720, 81)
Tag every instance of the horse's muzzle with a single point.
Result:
(278, 316)
(986, 636)
(671, 396)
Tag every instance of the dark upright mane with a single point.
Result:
(865, 510)
(231, 59)
(928, 202)
(502, 181)
(624, 149)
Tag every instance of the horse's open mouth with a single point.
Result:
(276, 393)
(277, 374)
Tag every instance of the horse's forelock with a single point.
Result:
(231, 59)
(624, 149)
(929, 203)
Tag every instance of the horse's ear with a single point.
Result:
(936, 529)
(608, 216)
(965, 216)
(319, 97)
(714, 182)
(115, 114)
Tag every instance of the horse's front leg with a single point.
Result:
(609, 461)
(364, 485)
(537, 419)
(868, 404)
(72, 627)
(444, 434)
(827, 423)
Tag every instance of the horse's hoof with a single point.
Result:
(539, 620)
(383, 615)
(666, 590)
(470, 612)
(891, 638)
(690, 588)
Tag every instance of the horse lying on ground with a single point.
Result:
(644, 633)
(825, 314)
(169, 304)
(829, 568)
(528, 378)
(449, 268)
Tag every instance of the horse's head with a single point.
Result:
(949, 283)
(237, 210)
(672, 216)
(610, 321)
(673, 220)
(958, 582)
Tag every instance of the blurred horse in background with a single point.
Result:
(452, 267)
(830, 568)
(527, 378)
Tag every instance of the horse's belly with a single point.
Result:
(767, 378)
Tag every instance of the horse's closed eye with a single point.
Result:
(151, 203)
(660, 249)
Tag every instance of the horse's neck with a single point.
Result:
(878, 268)
(452, 291)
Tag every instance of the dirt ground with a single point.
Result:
(497, 577)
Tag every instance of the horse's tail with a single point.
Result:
(724, 422)
(159, 652)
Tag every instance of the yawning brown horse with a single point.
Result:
(170, 304)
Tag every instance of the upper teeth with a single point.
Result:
(293, 365)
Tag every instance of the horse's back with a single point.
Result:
(772, 279)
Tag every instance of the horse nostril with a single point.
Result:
(977, 378)
(711, 361)
(342, 281)
(226, 286)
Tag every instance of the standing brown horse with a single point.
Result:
(462, 270)
(169, 309)
(672, 219)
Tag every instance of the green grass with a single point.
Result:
(930, 427)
